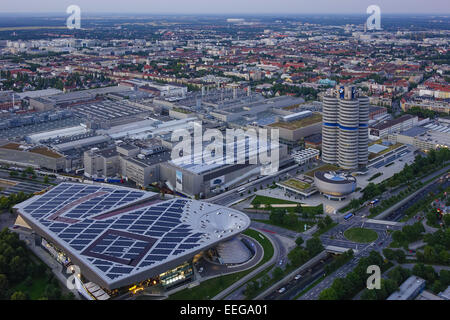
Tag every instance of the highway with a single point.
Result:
(295, 286)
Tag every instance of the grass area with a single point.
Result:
(296, 184)
(325, 167)
(270, 200)
(35, 290)
(314, 118)
(361, 235)
(299, 227)
(210, 288)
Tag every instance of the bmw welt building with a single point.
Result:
(122, 238)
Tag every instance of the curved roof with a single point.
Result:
(119, 232)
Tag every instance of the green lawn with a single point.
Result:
(270, 200)
(36, 290)
(296, 184)
(361, 235)
(210, 288)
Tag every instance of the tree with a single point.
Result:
(298, 256)
(299, 241)
(327, 220)
(388, 253)
(277, 215)
(429, 254)
(4, 285)
(277, 273)
(19, 295)
(314, 246)
(256, 204)
(328, 294)
(299, 209)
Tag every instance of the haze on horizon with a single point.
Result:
(236, 7)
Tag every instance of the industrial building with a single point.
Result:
(294, 129)
(428, 137)
(122, 239)
(409, 289)
(383, 129)
(33, 156)
(345, 128)
(200, 179)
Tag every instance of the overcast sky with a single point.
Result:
(226, 6)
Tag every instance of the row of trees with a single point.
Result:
(355, 281)
(408, 234)
(18, 269)
(397, 255)
(298, 256)
(420, 167)
(339, 261)
(7, 202)
(437, 248)
(388, 286)
(435, 282)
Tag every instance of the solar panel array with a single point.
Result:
(123, 240)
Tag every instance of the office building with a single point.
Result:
(345, 128)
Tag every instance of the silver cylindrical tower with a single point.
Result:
(330, 129)
(348, 120)
(363, 136)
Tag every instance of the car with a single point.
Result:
(282, 290)
(200, 270)
(297, 276)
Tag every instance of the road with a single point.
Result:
(335, 237)
(433, 187)
(295, 286)
(398, 214)
(232, 196)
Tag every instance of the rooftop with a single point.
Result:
(314, 118)
(407, 289)
(119, 235)
(390, 123)
(46, 152)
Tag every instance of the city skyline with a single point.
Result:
(229, 7)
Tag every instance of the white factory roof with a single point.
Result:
(66, 132)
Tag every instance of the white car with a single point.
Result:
(282, 290)
(297, 276)
(200, 270)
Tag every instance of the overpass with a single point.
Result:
(385, 222)
(337, 250)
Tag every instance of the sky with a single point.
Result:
(226, 6)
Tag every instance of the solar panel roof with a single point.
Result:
(118, 232)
